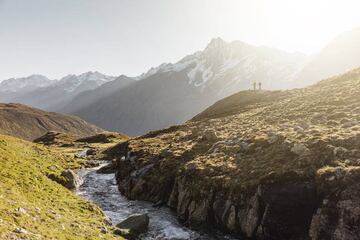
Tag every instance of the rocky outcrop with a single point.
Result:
(281, 207)
(338, 216)
(73, 181)
(274, 210)
(134, 225)
(289, 205)
(110, 168)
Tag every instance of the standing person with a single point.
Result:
(254, 86)
(259, 85)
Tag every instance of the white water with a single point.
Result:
(102, 190)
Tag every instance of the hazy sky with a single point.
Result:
(58, 37)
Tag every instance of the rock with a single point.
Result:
(245, 145)
(92, 163)
(90, 152)
(104, 230)
(300, 149)
(108, 169)
(210, 135)
(198, 213)
(135, 224)
(298, 129)
(339, 217)
(73, 181)
(273, 137)
(142, 171)
(53, 168)
(349, 124)
(86, 152)
(20, 211)
(303, 125)
(286, 208)
(231, 219)
(340, 152)
(20, 230)
(249, 217)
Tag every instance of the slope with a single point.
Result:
(86, 98)
(34, 207)
(30, 123)
(282, 165)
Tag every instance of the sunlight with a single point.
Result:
(291, 25)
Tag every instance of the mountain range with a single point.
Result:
(175, 92)
(41, 92)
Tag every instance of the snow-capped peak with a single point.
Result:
(198, 65)
(72, 82)
(236, 61)
(25, 83)
(215, 43)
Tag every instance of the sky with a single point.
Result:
(59, 37)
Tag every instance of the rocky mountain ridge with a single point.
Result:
(29, 83)
(38, 91)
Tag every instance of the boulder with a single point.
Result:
(210, 135)
(108, 169)
(73, 181)
(134, 225)
(20, 230)
(300, 149)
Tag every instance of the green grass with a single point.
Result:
(51, 211)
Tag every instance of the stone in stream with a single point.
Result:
(86, 152)
(108, 169)
(133, 226)
(73, 181)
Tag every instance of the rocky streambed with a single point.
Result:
(103, 191)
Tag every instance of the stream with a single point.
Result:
(102, 190)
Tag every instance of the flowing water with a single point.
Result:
(102, 190)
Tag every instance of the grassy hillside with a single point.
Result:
(36, 206)
(258, 164)
(30, 123)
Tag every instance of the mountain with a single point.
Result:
(260, 164)
(24, 84)
(60, 92)
(89, 97)
(30, 123)
(340, 55)
(172, 93)
(17, 86)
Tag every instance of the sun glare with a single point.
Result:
(291, 25)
